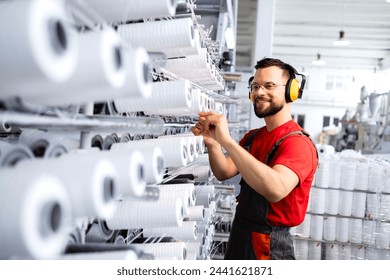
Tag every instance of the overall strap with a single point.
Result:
(277, 144)
(249, 139)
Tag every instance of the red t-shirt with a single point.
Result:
(296, 152)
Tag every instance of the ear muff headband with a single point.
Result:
(294, 89)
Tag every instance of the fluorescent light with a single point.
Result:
(318, 61)
(229, 37)
(341, 41)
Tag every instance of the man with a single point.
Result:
(275, 190)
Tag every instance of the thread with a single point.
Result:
(314, 250)
(323, 172)
(39, 51)
(359, 204)
(123, 10)
(186, 232)
(348, 173)
(332, 202)
(330, 228)
(156, 36)
(317, 204)
(316, 227)
(128, 255)
(385, 207)
(355, 230)
(368, 232)
(154, 167)
(332, 251)
(361, 178)
(99, 232)
(132, 214)
(185, 192)
(168, 96)
(35, 216)
(345, 203)
(166, 250)
(373, 206)
(196, 213)
(303, 230)
(99, 72)
(376, 177)
(12, 154)
(91, 182)
(345, 252)
(342, 229)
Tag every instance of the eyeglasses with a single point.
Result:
(270, 86)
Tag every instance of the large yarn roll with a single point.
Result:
(165, 250)
(174, 150)
(186, 232)
(12, 153)
(91, 182)
(155, 36)
(172, 96)
(154, 161)
(99, 74)
(132, 214)
(124, 10)
(35, 215)
(37, 46)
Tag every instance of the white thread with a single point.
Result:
(171, 96)
(35, 55)
(90, 180)
(124, 10)
(345, 203)
(153, 168)
(316, 227)
(314, 250)
(373, 206)
(342, 229)
(359, 204)
(35, 215)
(156, 36)
(186, 232)
(368, 232)
(317, 204)
(99, 72)
(138, 214)
(196, 213)
(355, 230)
(330, 228)
(345, 252)
(332, 202)
(332, 251)
(186, 193)
(164, 250)
(11, 154)
(128, 255)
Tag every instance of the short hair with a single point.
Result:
(268, 62)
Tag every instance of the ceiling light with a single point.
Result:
(388, 1)
(341, 40)
(318, 61)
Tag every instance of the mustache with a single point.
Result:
(261, 98)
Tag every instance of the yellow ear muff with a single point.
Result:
(294, 90)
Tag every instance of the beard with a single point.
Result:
(261, 112)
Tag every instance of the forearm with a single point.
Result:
(270, 183)
(221, 166)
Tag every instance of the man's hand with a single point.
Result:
(213, 127)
